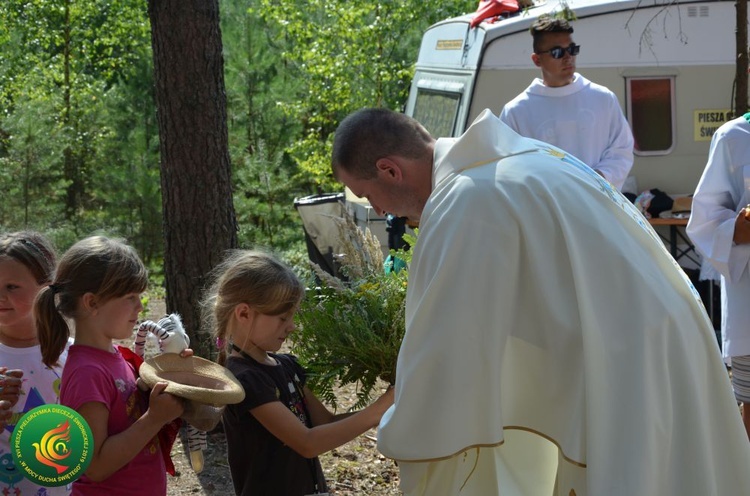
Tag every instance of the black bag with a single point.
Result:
(661, 202)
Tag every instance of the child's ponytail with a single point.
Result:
(52, 329)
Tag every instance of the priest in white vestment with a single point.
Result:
(553, 346)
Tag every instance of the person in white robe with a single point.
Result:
(567, 110)
(721, 233)
(552, 345)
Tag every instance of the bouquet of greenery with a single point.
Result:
(350, 328)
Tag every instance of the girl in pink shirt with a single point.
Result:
(98, 285)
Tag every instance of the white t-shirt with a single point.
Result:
(41, 385)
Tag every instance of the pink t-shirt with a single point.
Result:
(91, 374)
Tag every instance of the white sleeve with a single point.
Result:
(715, 207)
(617, 159)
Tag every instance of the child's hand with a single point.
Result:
(386, 400)
(163, 407)
(5, 413)
(380, 405)
(10, 385)
(187, 352)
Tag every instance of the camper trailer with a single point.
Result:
(671, 65)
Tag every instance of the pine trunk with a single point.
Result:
(199, 219)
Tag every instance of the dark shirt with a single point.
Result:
(260, 464)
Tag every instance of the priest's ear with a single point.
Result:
(389, 168)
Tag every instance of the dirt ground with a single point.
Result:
(357, 468)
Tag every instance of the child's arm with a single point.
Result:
(330, 431)
(111, 453)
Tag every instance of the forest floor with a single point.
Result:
(356, 468)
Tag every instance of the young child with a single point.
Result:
(276, 434)
(98, 285)
(27, 264)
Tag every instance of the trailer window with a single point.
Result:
(437, 111)
(651, 114)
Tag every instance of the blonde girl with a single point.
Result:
(27, 264)
(98, 286)
(276, 434)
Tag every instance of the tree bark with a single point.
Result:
(740, 100)
(199, 218)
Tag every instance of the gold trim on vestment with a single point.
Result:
(494, 445)
(476, 462)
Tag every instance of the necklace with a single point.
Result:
(241, 352)
(247, 356)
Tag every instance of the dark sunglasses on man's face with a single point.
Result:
(558, 52)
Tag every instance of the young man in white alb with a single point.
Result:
(567, 110)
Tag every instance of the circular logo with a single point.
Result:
(52, 445)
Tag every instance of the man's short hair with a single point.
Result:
(547, 24)
(370, 134)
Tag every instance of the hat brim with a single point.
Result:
(193, 378)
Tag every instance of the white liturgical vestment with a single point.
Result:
(724, 189)
(553, 346)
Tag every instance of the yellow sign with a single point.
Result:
(449, 44)
(706, 122)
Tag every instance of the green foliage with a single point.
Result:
(564, 12)
(350, 55)
(28, 177)
(350, 330)
(78, 133)
(410, 240)
(262, 200)
(66, 69)
(258, 83)
(258, 87)
(352, 334)
(126, 193)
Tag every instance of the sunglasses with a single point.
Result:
(558, 52)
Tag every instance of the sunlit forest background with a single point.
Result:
(79, 141)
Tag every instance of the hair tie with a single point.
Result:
(54, 288)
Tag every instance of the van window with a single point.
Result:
(437, 111)
(651, 114)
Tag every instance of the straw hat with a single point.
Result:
(193, 378)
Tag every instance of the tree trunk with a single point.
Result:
(740, 100)
(199, 219)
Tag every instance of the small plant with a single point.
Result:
(350, 330)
